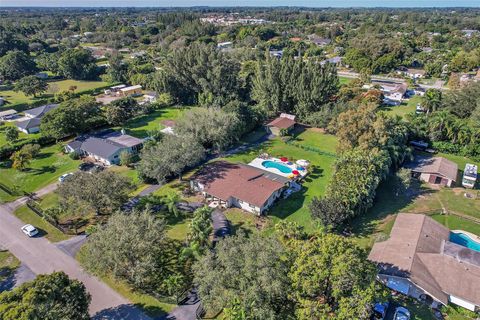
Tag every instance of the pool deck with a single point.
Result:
(257, 163)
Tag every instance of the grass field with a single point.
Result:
(140, 126)
(295, 208)
(17, 100)
(345, 80)
(43, 170)
(405, 108)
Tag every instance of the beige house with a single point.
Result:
(239, 185)
(284, 122)
(422, 259)
(435, 170)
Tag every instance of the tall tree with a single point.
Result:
(132, 247)
(200, 228)
(209, 126)
(15, 65)
(251, 271)
(72, 117)
(170, 157)
(120, 111)
(48, 297)
(11, 133)
(102, 193)
(325, 286)
(31, 86)
(77, 64)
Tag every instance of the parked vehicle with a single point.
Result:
(380, 310)
(29, 230)
(401, 313)
(65, 176)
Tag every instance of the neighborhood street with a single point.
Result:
(41, 256)
(350, 74)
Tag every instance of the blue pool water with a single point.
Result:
(277, 165)
(464, 240)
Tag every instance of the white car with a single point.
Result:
(29, 230)
(401, 314)
(65, 176)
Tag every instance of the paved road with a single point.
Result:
(438, 84)
(43, 257)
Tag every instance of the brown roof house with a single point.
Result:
(284, 122)
(423, 259)
(436, 170)
(239, 185)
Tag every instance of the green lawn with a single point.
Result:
(405, 108)
(21, 136)
(18, 100)
(43, 170)
(295, 208)
(8, 264)
(140, 126)
(345, 80)
(44, 228)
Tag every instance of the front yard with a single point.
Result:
(8, 264)
(21, 136)
(42, 171)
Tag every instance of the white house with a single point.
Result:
(105, 147)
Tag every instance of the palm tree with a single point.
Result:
(432, 100)
(170, 201)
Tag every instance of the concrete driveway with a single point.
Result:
(43, 257)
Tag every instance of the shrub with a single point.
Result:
(74, 155)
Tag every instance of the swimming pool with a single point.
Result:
(464, 240)
(277, 165)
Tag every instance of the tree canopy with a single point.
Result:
(48, 297)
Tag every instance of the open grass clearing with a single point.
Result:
(42, 171)
(140, 126)
(18, 100)
(405, 108)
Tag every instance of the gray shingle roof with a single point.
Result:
(40, 111)
(28, 124)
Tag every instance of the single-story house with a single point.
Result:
(131, 91)
(284, 122)
(7, 114)
(392, 91)
(32, 124)
(423, 259)
(105, 147)
(225, 45)
(28, 126)
(334, 60)
(239, 185)
(411, 72)
(39, 111)
(169, 127)
(434, 170)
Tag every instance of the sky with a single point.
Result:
(222, 3)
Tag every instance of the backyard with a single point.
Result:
(312, 145)
(405, 108)
(421, 198)
(141, 126)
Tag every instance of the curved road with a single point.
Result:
(42, 257)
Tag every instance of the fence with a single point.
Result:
(33, 205)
